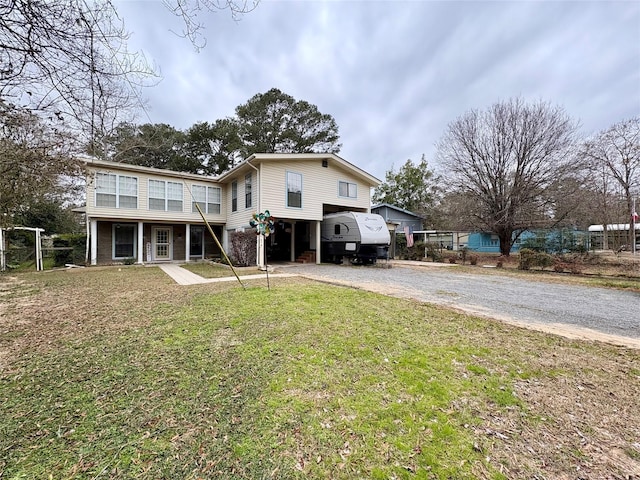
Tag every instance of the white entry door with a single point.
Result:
(162, 243)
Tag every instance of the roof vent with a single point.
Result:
(325, 163)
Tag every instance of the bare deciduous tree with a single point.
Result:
(69, 58)
(65, 67)
(508, 159)
(614, 157)
(34, 161)
(189, 11)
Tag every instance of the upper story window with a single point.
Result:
(208, 198)
(294, 190)
(106, 190)
(116, 191)
(234, 196)
(346, 189)
(165, 196)
(247, 190)
(214, 199)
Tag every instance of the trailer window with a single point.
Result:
(336, 229)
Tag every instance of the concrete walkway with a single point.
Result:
(182, 276)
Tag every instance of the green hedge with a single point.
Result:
(76, 247)
(530, 258)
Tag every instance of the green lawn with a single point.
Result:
(213, 270)
(301, 381)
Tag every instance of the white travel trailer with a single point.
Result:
(361, 237)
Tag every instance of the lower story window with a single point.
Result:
(124, 240)
(197, 242)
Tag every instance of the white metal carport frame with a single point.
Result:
(3, 250)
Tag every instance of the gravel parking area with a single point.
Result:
(571, 310)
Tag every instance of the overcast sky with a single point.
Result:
(395, 74)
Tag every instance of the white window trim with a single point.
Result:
(250, 183)
(166, 196)
(117, 193)
(348, 183)
(234, 195)
(286, 189)
(218, 203)
(207, 200)
(113, 240)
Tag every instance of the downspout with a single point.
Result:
(260, 238)
(257, 183)
(86, 249)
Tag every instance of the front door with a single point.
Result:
(162, 243)
(302, 238)
(196, 243)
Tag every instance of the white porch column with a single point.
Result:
(225, 240)
(140, 242)
(260, 252)
(39, 265)
(93, 238)
(187, 241)
(318, 240)
(293, 242)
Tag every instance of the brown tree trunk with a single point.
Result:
(505, 242)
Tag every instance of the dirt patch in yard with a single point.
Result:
(44, 310)
(50, 309)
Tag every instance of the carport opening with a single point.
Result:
(4, 246)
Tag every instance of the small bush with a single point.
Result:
(452, 259)
(243, 248)
(416, 252)
(542, 260)
(473, 259)
(463, 254)
(74, 249)
(530, 258)
(575, 269)
(433, 250)
(526, 259)
(572, 263)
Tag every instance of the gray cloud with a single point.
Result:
(394, 74)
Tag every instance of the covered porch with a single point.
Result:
(112, 241)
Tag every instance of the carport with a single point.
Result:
(38, 242)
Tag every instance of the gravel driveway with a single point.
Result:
(590, 312)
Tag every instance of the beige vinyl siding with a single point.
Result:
(243, 215)
(142, 212)
(319, 186)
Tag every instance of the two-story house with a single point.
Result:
(146, 214)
